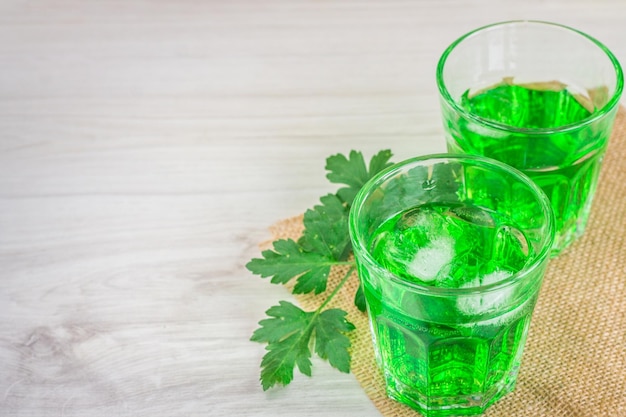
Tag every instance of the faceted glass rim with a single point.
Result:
(361, 244)
(606, 109)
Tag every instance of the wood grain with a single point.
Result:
(146, 146)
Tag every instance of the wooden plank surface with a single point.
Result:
(145, 146)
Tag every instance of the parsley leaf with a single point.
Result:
(288, 333)
(325, 242)
(288, 260)
(330, 341)
(326, 228)
(359, 298)
(352, 171)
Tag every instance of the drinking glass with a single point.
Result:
(540, 97)
(451, 252)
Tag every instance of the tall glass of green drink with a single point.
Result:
(540, 97)
(451, 252)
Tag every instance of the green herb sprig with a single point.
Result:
(291, 334)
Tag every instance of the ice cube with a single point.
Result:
(418, 217)
(430, 262)
(483, 302)
(495, 276)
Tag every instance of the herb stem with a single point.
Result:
(337, 288)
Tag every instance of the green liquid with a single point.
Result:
(450, 246)
(565, 164)
(531, 108)
(449, 355)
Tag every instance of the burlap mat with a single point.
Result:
(574, 364)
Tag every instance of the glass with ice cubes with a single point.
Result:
(451, 252)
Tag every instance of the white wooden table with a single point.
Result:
(146, 146)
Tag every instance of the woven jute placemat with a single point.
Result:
(574, 363)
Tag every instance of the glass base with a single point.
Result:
(565, 238)
(462, 405)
